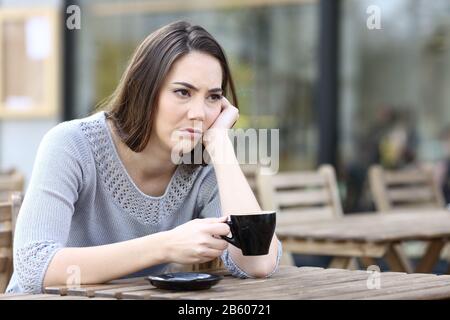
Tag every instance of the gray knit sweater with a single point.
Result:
(80, 195)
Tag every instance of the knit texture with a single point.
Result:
(80, 195)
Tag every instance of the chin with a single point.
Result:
(183, 148)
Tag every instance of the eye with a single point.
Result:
(182, 93)
(215, 97)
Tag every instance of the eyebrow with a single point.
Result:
(190, 86)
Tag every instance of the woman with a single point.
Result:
(106, 199)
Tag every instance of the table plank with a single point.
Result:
(286, 287)
(242, 288)
(56, 297)
(117, 293)
(356, 289)
(46, 296)
(426, 289)
(24, 296)
(318, 286)
(399, 226)
(292, 286)
(89, 290)
(288, 283)
(227, 282)
(433, 293)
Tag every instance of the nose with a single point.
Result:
(196, 112)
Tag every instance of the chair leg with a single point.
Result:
(213, 265)
(353, 264)
(5, 276)
(3, 283)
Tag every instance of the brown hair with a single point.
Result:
(132, 105)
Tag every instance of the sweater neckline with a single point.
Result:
(121, 188)
(124, 169)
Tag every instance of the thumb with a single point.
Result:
(215, 220)
(222, 219)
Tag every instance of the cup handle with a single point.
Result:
(231, 239)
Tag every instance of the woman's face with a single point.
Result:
(189, 102)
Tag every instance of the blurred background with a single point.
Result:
(347, 82)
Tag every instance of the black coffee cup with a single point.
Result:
(252, 233)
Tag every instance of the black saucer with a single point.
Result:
(184, 281)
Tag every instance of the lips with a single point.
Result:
(192, 130)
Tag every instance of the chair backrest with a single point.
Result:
(10, 181)
(301, 195)
(8, 216)
(404, 188)
(211, 266)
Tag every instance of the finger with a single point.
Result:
(218, 229)
(211, 220)
(223, 218)
(217, 244)
(212, 253)
(225, 103)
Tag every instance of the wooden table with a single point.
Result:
(287, 284)
(368, 236)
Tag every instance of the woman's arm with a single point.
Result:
(236, 196)
(100, 264)
(189, 243)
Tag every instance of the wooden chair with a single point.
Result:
(404, 189)
(9, 211)
(409, 188)
(10, 181)
(300, 196)
(306, 197)
(211, 266)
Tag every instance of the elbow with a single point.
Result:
(26, 281)
(260, 274)
(258, 268)
(30, 264)
(266, 268)
(263, 270)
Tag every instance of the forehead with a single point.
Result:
(197, 68)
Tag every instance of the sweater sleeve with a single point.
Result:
(212, 208)
(45, 217)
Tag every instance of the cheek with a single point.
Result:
(212, 115)
(168, 114)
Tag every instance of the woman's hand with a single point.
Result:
(197, 241)
(228, 116)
